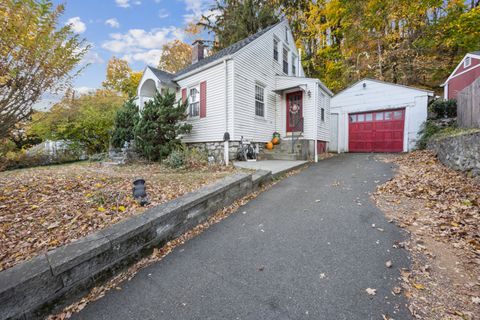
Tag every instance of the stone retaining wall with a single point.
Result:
(461, 152)
(50, 281)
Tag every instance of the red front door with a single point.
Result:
(376, 131)
(294, 112)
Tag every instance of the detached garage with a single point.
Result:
(377, 116)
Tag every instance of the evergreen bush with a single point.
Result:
(161, 123)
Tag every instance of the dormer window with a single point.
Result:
(467, 62)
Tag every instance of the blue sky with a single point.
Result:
(134, 30)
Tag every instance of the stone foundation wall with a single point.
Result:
(461, 152)
(215, 149)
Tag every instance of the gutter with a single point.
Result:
(202, 68)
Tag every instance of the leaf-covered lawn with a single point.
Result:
(43, 208)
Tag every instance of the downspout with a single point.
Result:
(316, 122)
(226, 136)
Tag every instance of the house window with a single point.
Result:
(294, 65)
(322, 114)
(275, 49)
(286, 34)
(285, 60)
(259, 101)
(194, 102)
(467, 62)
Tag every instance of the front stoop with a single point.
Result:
(283, 151)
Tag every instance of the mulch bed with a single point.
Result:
(440, 208)
(46, 207)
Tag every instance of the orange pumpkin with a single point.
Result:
(269, 146)
(275, 140)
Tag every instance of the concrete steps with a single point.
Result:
(283, 151)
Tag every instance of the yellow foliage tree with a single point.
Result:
(176, 55)
(121, 78)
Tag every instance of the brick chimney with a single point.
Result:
(198, 51)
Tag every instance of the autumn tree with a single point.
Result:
(84, 121)
(36, 56)
(234, 20)
(121, 78)
(176, 55)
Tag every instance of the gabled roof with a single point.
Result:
(385, 82)
(226, 51)
(475, 54)
(163, 76)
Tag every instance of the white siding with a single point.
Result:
(255, 64)
(323, 131)
(377, 95)
(213, 126)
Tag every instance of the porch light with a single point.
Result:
(139, 191)
(309, 93)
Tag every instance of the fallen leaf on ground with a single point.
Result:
(371, 291)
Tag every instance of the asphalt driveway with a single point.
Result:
(304, 249)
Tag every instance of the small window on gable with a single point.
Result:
(294, 65)
(285, 60)
(194, 102)
(275, 49)
(467, 62)
(259, 101)
(322, 114)
(286, 34)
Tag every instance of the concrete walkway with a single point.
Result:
(277, 167)
(305, 249)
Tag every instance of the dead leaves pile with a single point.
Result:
(43, 208)
(439, 207)
(452, 199)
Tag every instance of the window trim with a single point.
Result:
(262, 87)
(190, 103)
(469, 59)
(285, 61)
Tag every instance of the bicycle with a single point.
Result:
(246, 151)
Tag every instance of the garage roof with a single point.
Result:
(430, 93)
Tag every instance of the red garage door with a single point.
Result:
(376, 131)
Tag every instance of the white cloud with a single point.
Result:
(126, 3)
(142, 45)
(150, 57)
(77, 24)
(162, 13)
(92, 57)
(112, 22)
(196, 8)
(84, 90)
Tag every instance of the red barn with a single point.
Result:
(464, 74)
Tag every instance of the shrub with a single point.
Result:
(444, 108)
(160, 126)
(176, 159)
(186, 158)
(125, 121)
(429, 128)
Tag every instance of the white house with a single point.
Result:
(377, 116)
(251, 89)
